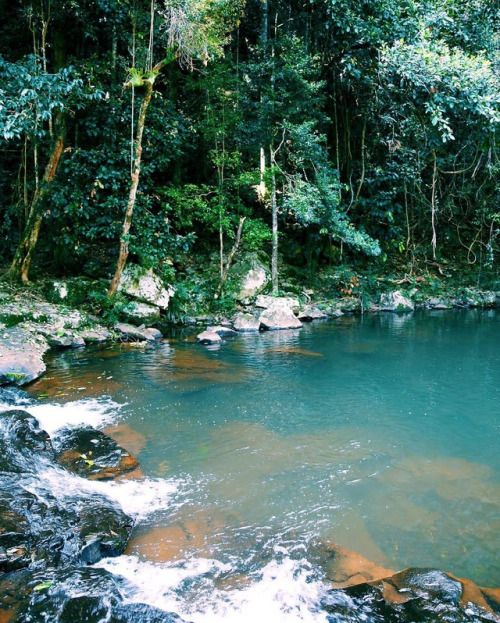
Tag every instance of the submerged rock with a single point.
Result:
(92, 454)
(396, 302)
(245, 323)
(144, 285)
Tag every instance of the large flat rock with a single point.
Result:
(21, 356)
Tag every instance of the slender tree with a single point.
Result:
(193, 30)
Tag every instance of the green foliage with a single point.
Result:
(381, 118)
(29, 97)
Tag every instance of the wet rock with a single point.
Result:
(21, 356)
(470, 297)
(131, 333)
(46, 516)
(92, 454)
(413, 595)
(142, 313)
(58, 337)
(267, 302)
(349, 305)
(222, 331)
(145, 286)
(311, 312)
(396, 302)
(82, 595)
(208, 337)
(96, 335)
(245, 323)
(439, 303)
(22, 442)
(253, 282)
(344, 567)
(13, 396)
(279, 316)
(153, 334)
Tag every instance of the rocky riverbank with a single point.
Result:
(31, 325)
(55, 525)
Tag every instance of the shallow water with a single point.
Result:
(377, 433)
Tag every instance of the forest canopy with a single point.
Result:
(308, 133)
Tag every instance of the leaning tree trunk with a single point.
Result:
(19, 269)
(136, 170)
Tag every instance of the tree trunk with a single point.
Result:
(274, 217)
(231, 256)
(19, 269)
(136, 170)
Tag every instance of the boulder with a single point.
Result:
(439, 303)
(78, 595)
(425, 595)
(253, 282)
(96, 335)
(21, 356)
(53, 520)
(131, 333)
(246, 323)
(470, 297)
(265, 302)
(311, 312)
(92, 454)
(142, 313)
(58, 337)
(221, 330)
(208, 337)
(396, 302)
(279, 317)
(144, 285)
(22, 442)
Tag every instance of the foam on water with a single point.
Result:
(137, 498)
(283, 591)
(90, 412)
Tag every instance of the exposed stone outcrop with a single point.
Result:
(145, 286)
(141, 313)
(246, 323)
(365, 591)
(396, 302)
(265, 302)
(131, 333)
(222, 330)
(311, 312)
(21, 356)
(209, 337)
(279, 316)
(252, 283)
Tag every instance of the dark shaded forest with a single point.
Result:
(186, 134)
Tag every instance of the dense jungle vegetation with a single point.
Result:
(319, 136)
